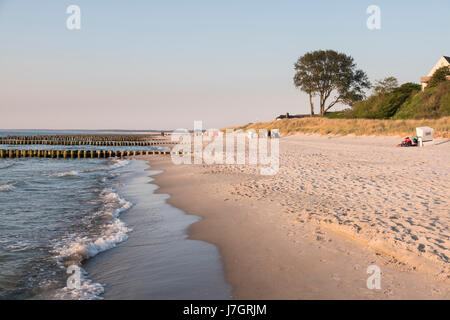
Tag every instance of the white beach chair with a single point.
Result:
(252, 134)
(275, 133)
(425, 135)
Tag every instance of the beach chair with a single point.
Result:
(426, 135)
(251, 134)
(275, 133)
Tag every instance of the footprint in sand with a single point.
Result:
(388, 292)
(335, 277)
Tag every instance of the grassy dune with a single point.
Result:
(359, 127)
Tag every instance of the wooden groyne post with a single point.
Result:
(77, 154)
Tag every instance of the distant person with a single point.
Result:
(408, 142)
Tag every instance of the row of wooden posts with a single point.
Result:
(76, 154)
(87, 143)
(86, 137)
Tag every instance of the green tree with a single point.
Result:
(331, 76)
(385, 86)
(440, 75)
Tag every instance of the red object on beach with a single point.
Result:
(406, 143)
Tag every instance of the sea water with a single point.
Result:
(55, 214)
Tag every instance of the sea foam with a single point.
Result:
(81, 248)
(66, 174)
(8, 186)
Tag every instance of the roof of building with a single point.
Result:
(447, 58)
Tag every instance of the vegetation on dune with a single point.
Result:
(434, 102)
(359, 127)
(391, 109)
(332, 77)
(439, 76)
(404, 102)
(384, 105)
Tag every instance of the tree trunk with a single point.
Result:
(322, 110)
(311, 104)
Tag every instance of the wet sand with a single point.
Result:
(157, 261)
(337, 206)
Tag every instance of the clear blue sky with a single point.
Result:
(164, 64)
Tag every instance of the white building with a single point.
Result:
(443, 61)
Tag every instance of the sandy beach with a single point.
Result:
(337, 206)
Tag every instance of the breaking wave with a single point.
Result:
(66, 174)
(74, 250)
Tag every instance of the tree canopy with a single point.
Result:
(331, 76)
(385, 85)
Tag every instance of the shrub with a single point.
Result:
(384, 106)
(439, 76)
(432, 103)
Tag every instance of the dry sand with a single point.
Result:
(337, 206)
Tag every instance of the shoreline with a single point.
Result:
(157, 261)
(269, 255)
